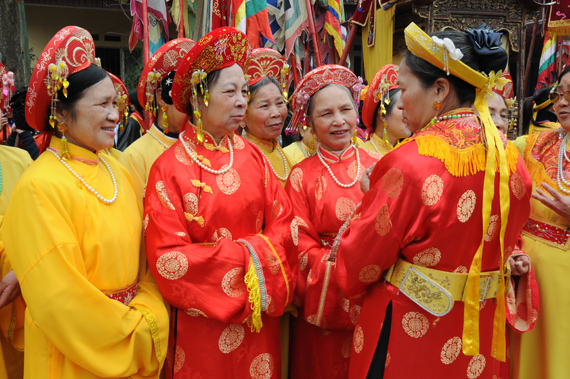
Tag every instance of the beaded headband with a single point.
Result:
(268, 62)
(385, 80)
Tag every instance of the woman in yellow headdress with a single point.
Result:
(442, 216)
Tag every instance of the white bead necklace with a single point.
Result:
(283, 179)
(166, 147)
(91, 189)
(334, 177)
(561, 157)
(197, 161)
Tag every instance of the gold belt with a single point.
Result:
(436, 291)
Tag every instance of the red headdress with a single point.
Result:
(507, 92)
(68, 52)
(221, 48)
(268, 62)
(122, 96)
(7, 87)
(166, 59)
(317, 79)
(385, 80)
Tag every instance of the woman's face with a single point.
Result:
(91, 124)
(266, 112)
(333, 117)
(499, 112)
(228, 99)
(416, 102)
(562, 106)
(396, 127)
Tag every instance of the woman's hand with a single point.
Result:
(519, 265)
(365, 181)
(9, 289)
(557, 202)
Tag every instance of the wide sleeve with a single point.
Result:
(230, 280)
(12, 315)
(82, 323)
(317, 293)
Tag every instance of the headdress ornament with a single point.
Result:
(445, 57)
(8, 87)
(122, 97)
(385, 80)
(317, 79)
(71, 50)
(165, 60)
(268, 62)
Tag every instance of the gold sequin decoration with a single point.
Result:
(229, 182)
(343, 208)
(163, 195)
(221, 233)
(346, 348)
(353, 170)
(232, 283)
(303, 260)
(296, 178)
(358, 339)
(320, 187)
(354, 313)
(432, 189)
(262, 367)
(191, 203)
(450, 350)
(392, 182)
(415, 324)
(466, 205)
(172, 265)
(193, 312)
(476, 367)
(179, 359)
(181, 155)
(370, 274)
(231, 338)
(383, 223)
(517, 186)
(493, 229)
(427, 258)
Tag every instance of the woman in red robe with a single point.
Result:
(324, 190)
(218, 225)
(443, 214)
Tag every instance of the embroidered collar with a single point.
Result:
(333, 158)
(264, 145)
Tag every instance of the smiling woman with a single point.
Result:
(89, 297)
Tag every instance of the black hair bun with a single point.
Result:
(487, 45)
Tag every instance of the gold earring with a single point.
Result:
(164, 120)
(64, 154)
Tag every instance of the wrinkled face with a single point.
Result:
(499, 113)
(91, 124)
(333, 117)
(416, 101)
(228, 99)
(266, 112)
(396, 127)
(562, 106)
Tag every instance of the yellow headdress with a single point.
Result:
(444, 55)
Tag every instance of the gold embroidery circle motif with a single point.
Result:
(344, 207)
(259, 222)
(353, 170)
(296, 178)
(392, 182)
(179, 359)
(238, 142)
(277, 209)
(493, 229)
(432, 190)
(476, 367)
(517, 186)
(221, 233)
(415, 324)
(272, 262)
(370, 274)
(295, 231)
(428, 258)
(193, 312)
(172, 265)
(320, 187)
(460, 270)
(163, 195)
(346, 348)
(231, 338)
(383, 223)
(182, 156)
(388, 359)
(303, 260)
(450, 350)
(228, 182)
(354, 313)
(145, 222)
(262, 367)
(191, 203)
(232, 283)
(358, 339)
(466, 205)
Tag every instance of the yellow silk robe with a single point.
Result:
(141, 154)
(276, 156)
(70, 252)
(377, 145)
(296, 152)
(14, 162)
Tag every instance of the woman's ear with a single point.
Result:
(61, 114)
(443, 88)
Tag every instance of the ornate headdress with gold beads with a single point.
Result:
(385, 80)
(122, 98)
(221, 48)
(268, 62)
(445, 56)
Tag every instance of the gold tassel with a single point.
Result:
(252, 283)
(64, 147)
(164, 120)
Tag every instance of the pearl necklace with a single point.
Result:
(283, 179)
(195, 160)
(166, 147)
(334, 177)
(561, 157)
(435, 120)
(91, 189)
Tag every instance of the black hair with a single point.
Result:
(564, 72)
(542, 115)
(428, 73)
(78, 84)
(18, 105)
(166, 87)
(211, 79)
(389, 107)
(263, 81)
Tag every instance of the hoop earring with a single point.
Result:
(164, 120)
